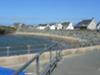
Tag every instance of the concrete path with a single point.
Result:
(84, 64)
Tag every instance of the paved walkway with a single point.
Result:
(84, 64)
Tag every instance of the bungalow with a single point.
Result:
(42, 26)
(87, 24)
(59, 26)
(68, 26)
(98, 26)
(52, 26)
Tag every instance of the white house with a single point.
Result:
(98, 26)
(68, 26)
(92, 25)
(42, 26)
(53, 27)
(59, 26)
(89, 24)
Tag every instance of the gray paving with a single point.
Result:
(85, 64)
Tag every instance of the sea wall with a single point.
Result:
(15, 60)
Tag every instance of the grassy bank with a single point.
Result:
(6, 30)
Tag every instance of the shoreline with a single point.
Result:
(74, 42)
(12, 60)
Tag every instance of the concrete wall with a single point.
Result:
(21, 59)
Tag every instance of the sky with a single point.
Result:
(46, 11)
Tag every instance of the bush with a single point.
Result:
(6, 29)
(2, 31)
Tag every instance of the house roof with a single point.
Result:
(65, 23)
(42, 24)
(52, 24)
(84, 23)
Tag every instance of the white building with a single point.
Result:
(70, 27)
(59, 26)
(92, 25)
(67, 26)
(52, 27)
(89, 24)
(42, 26)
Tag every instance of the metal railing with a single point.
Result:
(19, 50)
(51, 64)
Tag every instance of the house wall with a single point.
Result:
(92, 25)
(41, 27)
(59, 26)
(70, 27)
(53, 27)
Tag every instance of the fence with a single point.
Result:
(54, 57)
(22, 49)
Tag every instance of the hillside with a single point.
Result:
(6, 30)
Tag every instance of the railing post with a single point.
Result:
(8, 52)
(50, 59)
(50, 71)
(37, 66)
(28, 49)
(60, 53)
(56, 55)
(45, 46)
(56, 52)
(50, 55)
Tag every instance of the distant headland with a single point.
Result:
(6, 30)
